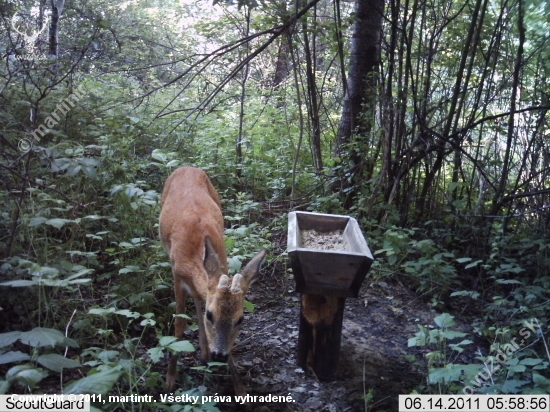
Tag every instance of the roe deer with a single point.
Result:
(191, 229)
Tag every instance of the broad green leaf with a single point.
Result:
(19, 283)
(509, 282)
(530, 361)
(36, 221)
(128, 313)
(156, 354)
(513, 386)
(129, 269)
(98, 383)
(10, 357)
(167, 340)
(56, 362)
(181, 346)
(518, 368)
(148, 322)
(9, 337)
(235, 264)
(107, 356)
(90, 172)
(40, 337)
(46, 271)
(473, 264)
(57, 222)
(81, 273)
(26, 374)
(159, 155)
(451, 334)
(541, 381)
(472, 294)
(444, 321)
(101, 311)
(249, 306)
(450, 373)
(5, 386)
(464, 260)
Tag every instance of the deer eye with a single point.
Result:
(209, 316)
(240, 321)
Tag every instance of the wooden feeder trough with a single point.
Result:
(330, 259)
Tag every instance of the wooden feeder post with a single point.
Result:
(325, 278)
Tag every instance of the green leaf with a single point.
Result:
(40, 337)
(26, 374)
(8, 338)
(56, 362)
(473, 264)
(156, 354)
(518, 368)
(10, 357)
(57, 222)
(181, 346)
(512, 386)
(541, 381)
(4, 387)
(101, 311)
(463, 260)
(530, 361)
(98, 383)
(249, 306)
(472, 294)
(19, 283)
(451, 334)
(450, 373)
(167, 340)
(107, 356)
(444, 321)
(128, 313)
(235, 264)
(81, 273)
(37, 221)
(148, 322)
(509, 282)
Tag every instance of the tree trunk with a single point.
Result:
(57, 9)
(499, 193)
(361, 94)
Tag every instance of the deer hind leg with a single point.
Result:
(203, 342)
(180, 326)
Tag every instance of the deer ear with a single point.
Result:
(250, 271)
(212, 262)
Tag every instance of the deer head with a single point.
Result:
(225, 302)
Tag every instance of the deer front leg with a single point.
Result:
(180, 325)
(236, 378)
(203, 342)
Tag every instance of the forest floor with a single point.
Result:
(374, 349)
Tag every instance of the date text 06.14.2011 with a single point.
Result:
(474, 403)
